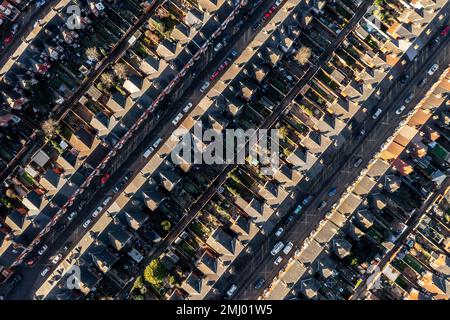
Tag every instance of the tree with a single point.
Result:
(11, 193)
(172, 280)
(282, 132)
(303, 55)
(107, 79)
(166, 225)
(152, 37)
(92, 53)
(49, 127)
(155, 272)
(120, 70)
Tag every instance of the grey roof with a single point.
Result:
(309, 287)
(102, 258)
(153, 199)
(119, 238)
(15, 220)
(207, 263)
(135, 219)
(325, 267)
(341, 247)
(222, 243)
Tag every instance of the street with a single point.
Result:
(73, 232)
(261, 263)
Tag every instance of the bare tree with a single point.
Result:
(120, 70)
(303, 55)
(107, 79)
(92, 53)
(49, 127)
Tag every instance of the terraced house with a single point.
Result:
(356, 209)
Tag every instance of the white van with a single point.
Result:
(277, 248)
(377, 114)
(288, 248)
(148, 152)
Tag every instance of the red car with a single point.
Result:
(8, 39)
(105, 178)
(445, 31)
(32, 261)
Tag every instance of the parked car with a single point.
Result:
(146, 154)
(289, 220)
(400, 110)
(71, 215)
(409, 98)
(218, 47)
(298, 209)
(87, 223)
(107, 200)
(56, 258)
(435, 43)
(358, 162)
(288, 247)
(377, 114)
(332, 192)
(32, 261)
(278, 260)
(277, 248)
(234, 53)
(157, 142)
(40, 3)
(45, 271)
(362, 133)
(279, 232)
(67, 246)
(42, 250)
(14, 28)
(404, 78)
(17, 278)
(231, 290)
(445, 31)
(97, 211)
(177, 119)
(322, 205)
(422, 82)
(259, 283)
(204, 86)
(433, 69)
(187, 107)
(119, 186)
(307, 200)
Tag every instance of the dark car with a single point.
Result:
(445, 31)
(332, 192)
(307, 200)
(259, 283)
(422, 82)
(322, 205)
(434, 43)
(404, 78)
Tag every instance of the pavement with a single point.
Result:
(31, 278)
(260, 264)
